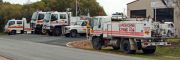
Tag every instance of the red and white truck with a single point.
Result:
(17, 26)
(128, 35)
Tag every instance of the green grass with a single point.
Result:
(1, 33)
(162, 52)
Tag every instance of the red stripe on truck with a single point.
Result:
(15, 26)
(118, 33)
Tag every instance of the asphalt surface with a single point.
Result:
(42, 47)
(53, 40)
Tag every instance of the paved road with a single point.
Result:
(25, 50)
(59, 40)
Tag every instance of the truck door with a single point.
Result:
(20, 25)
(40, 18)
(97, 26)
(33, 20)
(83, 27)
(11, 25)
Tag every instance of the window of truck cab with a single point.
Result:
(47, 17)
(34, 16)
(41, 16)
(11, 23)
(19, 22)
(54, 17)
(62, 16)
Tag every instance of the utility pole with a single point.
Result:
(155, 13)
(76, 8)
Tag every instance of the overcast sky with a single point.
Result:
(110, 6)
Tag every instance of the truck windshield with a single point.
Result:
(47, 17)
(54, 17)
(11, 23)
(62, 16)
(41, 16)
(34, 16)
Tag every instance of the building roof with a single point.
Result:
(132, 2)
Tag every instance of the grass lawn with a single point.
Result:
(1, 33)
(162, 52)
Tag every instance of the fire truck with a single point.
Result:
(129, 35)
(37, 22)
(17, 26)
(55, 22)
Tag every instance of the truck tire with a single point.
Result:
(22, 31)
(149, 50)
(36, 31)
(73, 33)
(116, 46)
(126, 47)
(97, 43)
(13, 32)
(57, 32)
(44, 32)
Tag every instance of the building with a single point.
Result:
(159, 10)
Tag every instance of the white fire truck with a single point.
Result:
(37, 22)
(55, 22)
(128, 36)
(17, 26)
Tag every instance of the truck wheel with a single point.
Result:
(44, 32)
(22, 31)
(73, 33)
(36, 32)
(13, 32)
(116, 45)
(149, 50)
(57, 32)
(96, 43)
(126, 47)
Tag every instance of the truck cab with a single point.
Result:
(78, 28)
(37, 21)
(54, 22)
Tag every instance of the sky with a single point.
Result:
(110, 6)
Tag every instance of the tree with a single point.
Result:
(10, 11)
